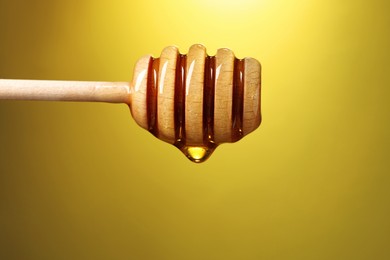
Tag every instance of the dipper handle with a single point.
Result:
(54, 90)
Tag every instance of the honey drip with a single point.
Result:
(196, 153)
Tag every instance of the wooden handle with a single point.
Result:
(54, 90)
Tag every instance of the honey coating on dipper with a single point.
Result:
(196, 101)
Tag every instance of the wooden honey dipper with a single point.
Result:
(193, 101)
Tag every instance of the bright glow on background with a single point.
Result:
(83, 181)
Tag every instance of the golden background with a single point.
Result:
(83, 181)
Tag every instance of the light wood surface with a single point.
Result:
(194, 94)
(54, 90)
(166, 94)
(139, 91)
(223, 96)
(251, 112)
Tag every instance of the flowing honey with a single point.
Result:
(202, 149)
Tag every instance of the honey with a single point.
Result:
(202, 149)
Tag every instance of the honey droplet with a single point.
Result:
(197, 154)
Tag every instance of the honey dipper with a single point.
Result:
(193, 101)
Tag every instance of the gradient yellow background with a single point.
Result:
(83, 181)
